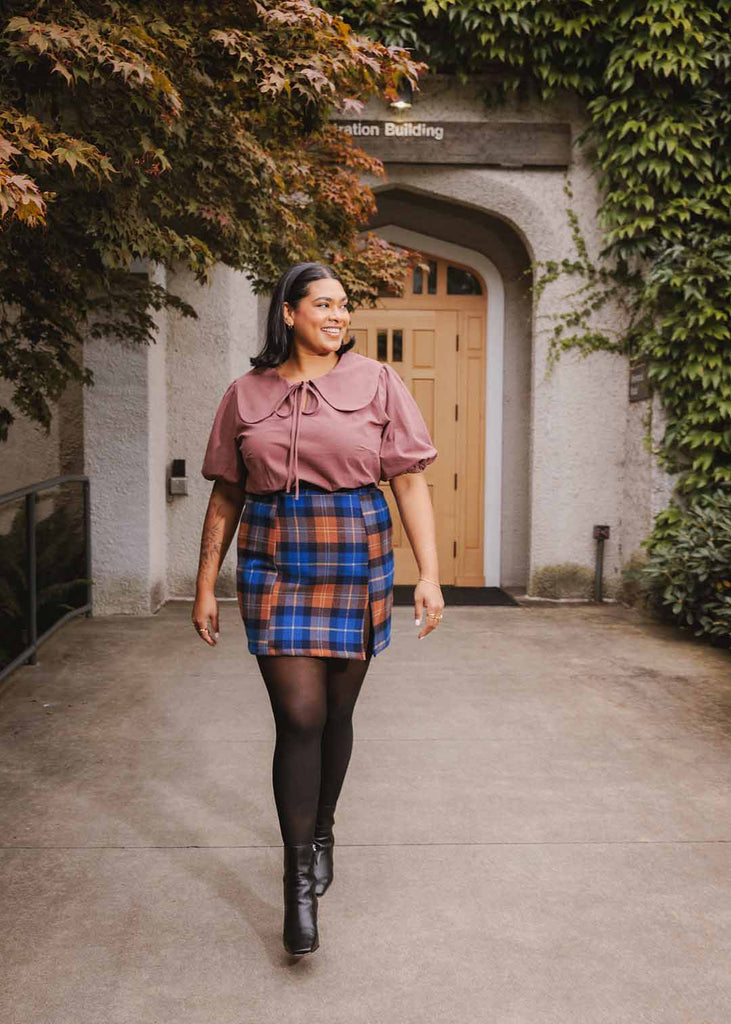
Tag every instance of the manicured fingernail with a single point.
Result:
(417, 622)
(217, 635)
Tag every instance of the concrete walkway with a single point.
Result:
(535, 828)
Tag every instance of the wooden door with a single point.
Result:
(410, 341)
(435, 339)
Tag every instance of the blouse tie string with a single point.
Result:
(295, 398)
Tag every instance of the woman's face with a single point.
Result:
(321, 317)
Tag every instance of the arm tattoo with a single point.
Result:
(218, 529)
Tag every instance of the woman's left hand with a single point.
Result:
(429, 601)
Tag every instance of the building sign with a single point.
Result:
(639, 385)
(483, 143)
(394, 129)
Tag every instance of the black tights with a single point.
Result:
(313, 700)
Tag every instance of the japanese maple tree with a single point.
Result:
(183, 133)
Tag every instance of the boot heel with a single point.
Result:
(299, 934)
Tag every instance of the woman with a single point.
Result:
(299, 444)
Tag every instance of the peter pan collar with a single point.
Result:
(350, 385)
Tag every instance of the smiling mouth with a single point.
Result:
(331, 330)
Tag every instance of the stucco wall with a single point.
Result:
(157, 454)
(31, 455)
(28, 456)
(636, 479)
(204, 356)
(516, 489)
(124, 457)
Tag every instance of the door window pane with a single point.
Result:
(382, 343)
(430, 268)
(462, 282)
(431, 284)
(398, 346)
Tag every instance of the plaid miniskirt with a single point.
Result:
(308, 569)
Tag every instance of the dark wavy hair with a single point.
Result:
(291, 287)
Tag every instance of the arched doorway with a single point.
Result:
(434, 337)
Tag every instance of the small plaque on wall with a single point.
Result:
(639, 385)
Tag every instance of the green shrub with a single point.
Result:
(689, 566)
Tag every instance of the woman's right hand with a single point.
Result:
(205, 608)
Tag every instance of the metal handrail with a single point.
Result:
(28, 656)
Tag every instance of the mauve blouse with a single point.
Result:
(354, 425)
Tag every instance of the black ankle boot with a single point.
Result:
(323, 861)
(300, 902)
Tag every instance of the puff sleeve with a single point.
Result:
(223, 460)
(406, 446)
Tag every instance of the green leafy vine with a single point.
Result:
(602, 284)
(655, 80)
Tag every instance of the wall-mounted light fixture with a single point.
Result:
(404, 96)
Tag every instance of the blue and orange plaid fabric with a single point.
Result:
(308, 568)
